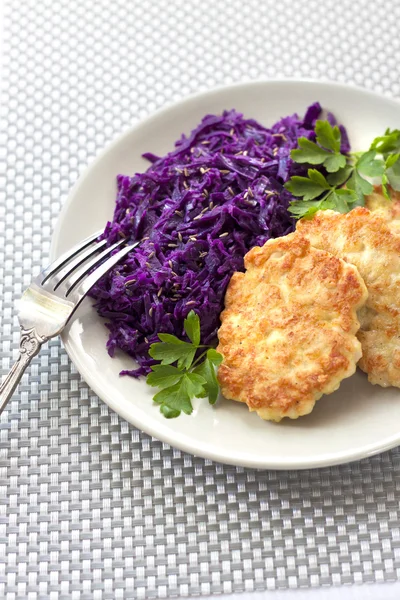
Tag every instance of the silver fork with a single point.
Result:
(52, 298)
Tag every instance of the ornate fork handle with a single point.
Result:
(29, 346)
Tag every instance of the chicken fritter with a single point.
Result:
(288, 332)
(388, 209)
(365, 239)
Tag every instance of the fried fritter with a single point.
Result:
(388, 209)
(288, 332)
(366, 240)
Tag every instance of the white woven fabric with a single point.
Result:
(89, 506)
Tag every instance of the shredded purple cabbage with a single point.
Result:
(198, 210)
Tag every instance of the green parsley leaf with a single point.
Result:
(385, 188)
(195, 382)
(203, 393)
(207, 370)
(187, 380)
(335, 162)
(393, 174)
(304, 210)
(215, 357)
(368, 165)
(309, 152)
(336, 199)
(391, 160)
(169, 353)
(321, 191)
(192, 327)
(309, 187)
(349, 196)
(169, 413)
(177, 397)
(185, 362)
(341, 200)
(318, 178)
(338, 202)
(340, 176)
(164, 376)
(360, 186)
(390, 142)
(171, 339)
(307, 210)
(329, 155)
(327, 136)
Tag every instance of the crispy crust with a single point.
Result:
(288, 328)
(388, 209)
(367, 240)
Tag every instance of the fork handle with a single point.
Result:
(29, 346)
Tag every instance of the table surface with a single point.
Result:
(89, 506)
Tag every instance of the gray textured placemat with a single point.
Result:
(89, 506)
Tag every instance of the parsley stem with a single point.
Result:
(200, 357)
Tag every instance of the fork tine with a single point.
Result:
(78, 291)
(75, 275)
(69, 283)
(54, 281)
(67, 256)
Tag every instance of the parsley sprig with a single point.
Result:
(179, 375)
(322, 188)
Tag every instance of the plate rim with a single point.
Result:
(324, 460)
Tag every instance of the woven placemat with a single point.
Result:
(89, 506)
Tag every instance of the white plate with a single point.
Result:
(357, 421)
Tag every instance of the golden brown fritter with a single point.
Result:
(288, 332)
(388, 209)
(365, 239)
